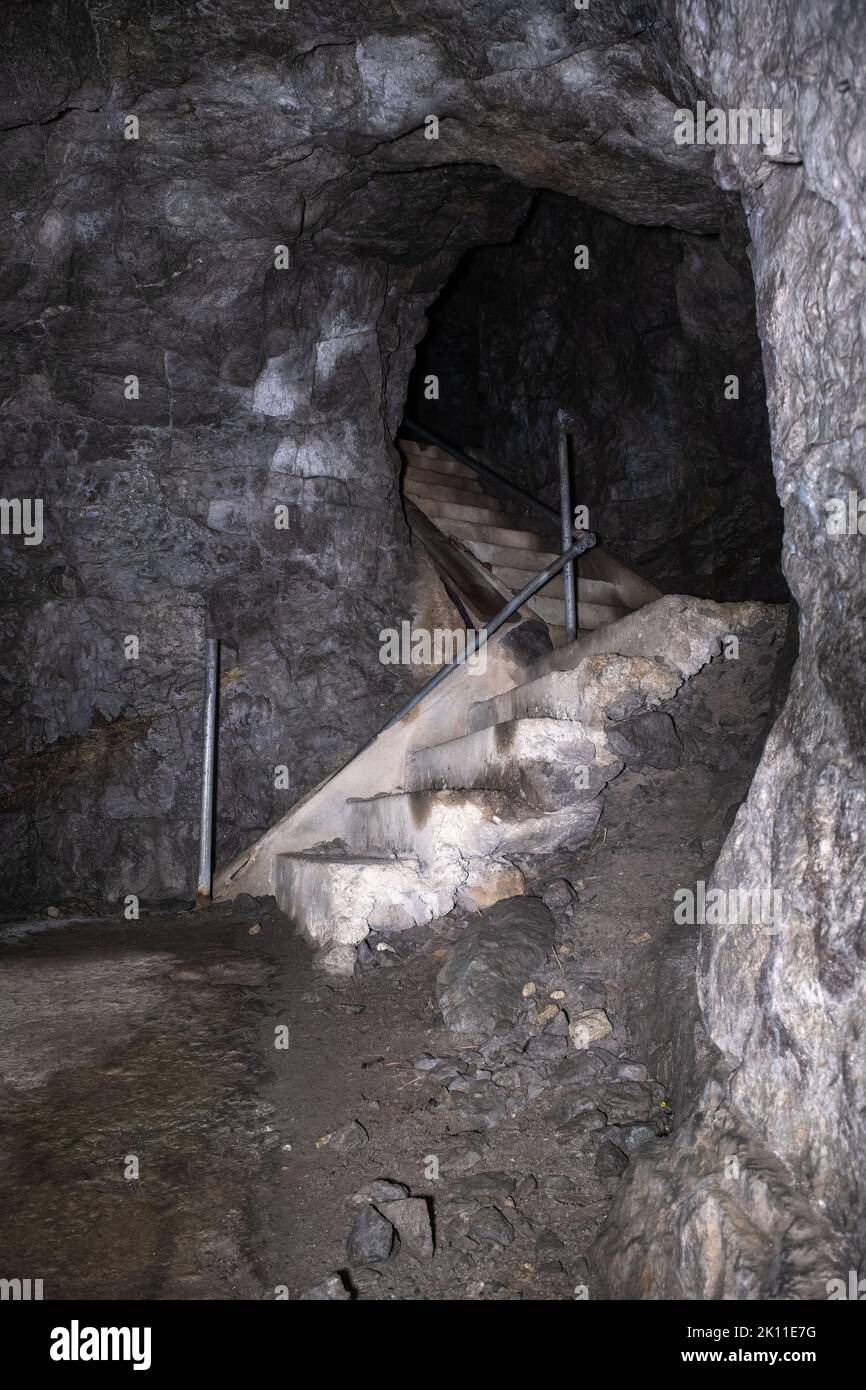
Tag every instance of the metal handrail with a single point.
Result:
(484, 469)
(584, 542)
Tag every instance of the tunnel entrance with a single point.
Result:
(646, 338)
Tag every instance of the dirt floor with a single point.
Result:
(170, 1087)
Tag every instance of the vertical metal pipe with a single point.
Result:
(208, 765)
(567, 531)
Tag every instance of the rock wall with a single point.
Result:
(174, 376)
(783, 1010)
(637, 347)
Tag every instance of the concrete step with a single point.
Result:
(597, 689)
(593, 615)
(589, 615)
(478, 826)
(552, 610)
(499, 556)
(457, 511)
(427, 477)
(429, 457)
(547, 764)
(589, 590)
(421, 492)
(472, 535)
(338, 898)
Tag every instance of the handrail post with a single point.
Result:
(566, 532)
(208, 766)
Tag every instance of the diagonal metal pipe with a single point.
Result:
(584, 542)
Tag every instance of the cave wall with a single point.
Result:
(782, 1010)
(154, 257)
(636, 348)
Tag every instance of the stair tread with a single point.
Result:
(428, 477)
(503, 535)
(431, 457)
(588, 590)
(490, 554)
(464, 496)
(440, 510)
(565, 727)
(347, 857)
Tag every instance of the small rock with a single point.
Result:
(459, 1155)
(255, 929)
(610, 1162)
(351, 1136)
(330, 1290)
(632, 1071)
(337, 960)
(559, 896)
(625, 1101)
(378, 1191)
(549, 1243)
(371, 1239)
(52, 911)
(556, 1185)
(589, 1027)
(498, 1185)
(557, 994)
(578, 1113)
(558, 1026)
(480, 1103)
(529, 989)
(579, 1069)
(489, 1227)
(545, 1016)
(547, 1048)
(427, 1063)
(479, 986)
(631, 1138)
(410, 1216)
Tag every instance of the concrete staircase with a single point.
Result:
(450, 495)
(437, 809)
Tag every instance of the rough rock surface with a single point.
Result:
(783, 1086)
(257, 387)
(480, 984)
(154, 258)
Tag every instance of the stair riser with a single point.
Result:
(435, 485)
(436, 462)
(545, 764)
(498, 556)
(335, 903)
(598, 689)
(588, 590)
(455, 511)
(436, 826)
(470, 535)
